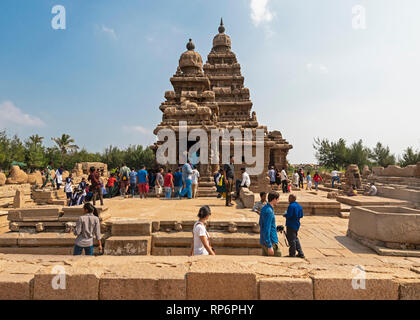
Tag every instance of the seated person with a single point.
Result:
(372, 190)
(259, 204)
(352, 192)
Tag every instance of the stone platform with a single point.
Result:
(370, 201)
(207, 278)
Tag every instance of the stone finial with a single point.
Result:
(190, 45)
(221, 27)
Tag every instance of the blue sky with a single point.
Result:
(310, 73)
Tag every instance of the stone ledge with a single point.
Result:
(286, 289)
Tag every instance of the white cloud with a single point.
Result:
(260, 11)
(316, 68)
(12, 115)
(109, 31)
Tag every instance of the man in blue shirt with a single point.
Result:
(177, 182)
(133, 181)
(268, 230)
(143, 180)
(187, 179)
(293, 215)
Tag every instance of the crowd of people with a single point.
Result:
(279, 179)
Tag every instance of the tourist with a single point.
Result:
(229, 174)
(372, 190)
(68, 189)
(110, 186)
(95, 186)
(278, 179)
(334, 177)
(221, 185)
(177, 182)
(216, 178)
(187, 180)
(168, 183)
(124, 179)
(308, 181)
(352, 192)
(48, 175)
(268, 229)
(159, 183)
(87, 227)
(244, 183)
(284, 182)
(201, 239)
(293, 215)
(152, 178)
(272, 176)
(143, 181)
(194, 182)
(317, 179)
(59, 177)
(133, 182)
(83, 184)
(260, 204)
(295, 179)
(301, 177)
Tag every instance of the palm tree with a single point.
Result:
(65, 144)
(36, 139)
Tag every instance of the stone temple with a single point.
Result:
(213, 96)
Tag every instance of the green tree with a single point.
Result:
(358, 154)
(409, 157)
(65, 144)
(17, 150)
(332, 155)
(35, 152)
(381, 156)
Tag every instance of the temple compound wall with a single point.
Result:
(213, 96)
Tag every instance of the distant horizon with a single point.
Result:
(309, 71)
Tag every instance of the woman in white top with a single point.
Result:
(201, 239)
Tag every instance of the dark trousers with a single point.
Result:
(294, 243)
(97, 192)
(238, 187)
(284, 186)
(300, 183)
(229, 188)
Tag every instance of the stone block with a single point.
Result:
(286, 289)
(38, 250)
(34, 214)
(78, 286)
(330, 286)
(221, 286)
(50, 239)
(9, 239)
(247, 197)
(131, 228)
(19, 199)
(127, 246)
(15, 286)
(410, 289)
(139, 288)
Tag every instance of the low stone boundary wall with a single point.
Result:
(201, 278)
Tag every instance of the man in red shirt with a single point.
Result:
(168, 184)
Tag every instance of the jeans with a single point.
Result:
(168, 192)
(316, 185)
(133, 188)
(187, 189)
(294, 243)
(78, 250)
(333, 179)
(177, 190)
(301, 183)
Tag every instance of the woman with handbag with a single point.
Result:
(201, 239)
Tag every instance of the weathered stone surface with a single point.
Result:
(286, 289)
(128, 246)
(34, 214)
(17, 176)
(15, 286)
(141, 288)
(79, 285)
(247, 197)
(35, 178)
(19, 199)
(9, 239)
(410, 289)
(131, 228)
(2, 179)
(47, 239)
(336, 286)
